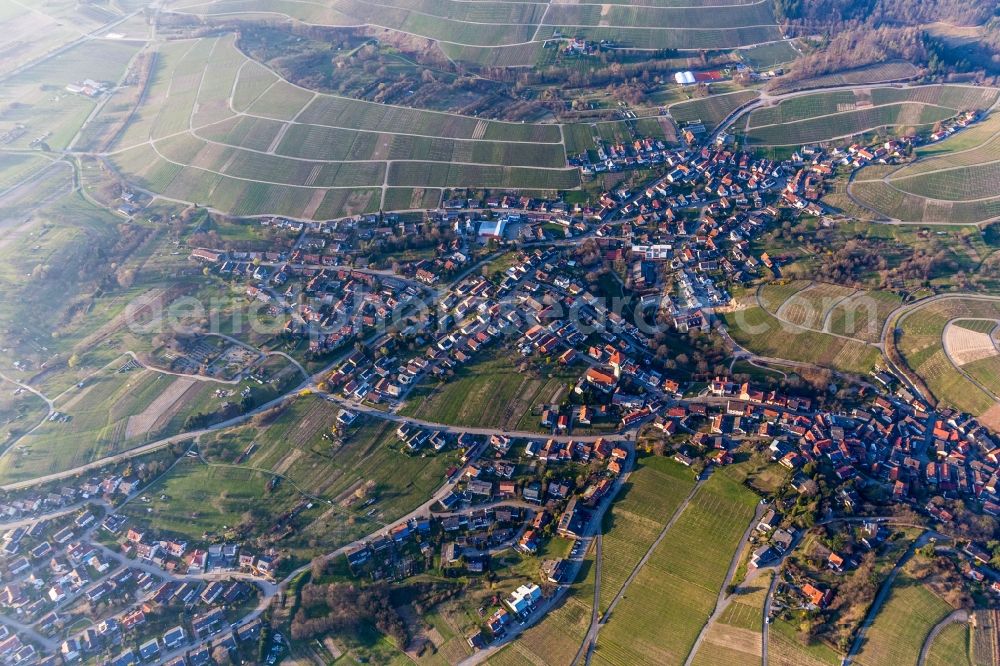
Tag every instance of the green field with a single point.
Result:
(951, 647)
(671, 598)
(902, 624)
(954, 180)
(977, 325)
(36, 97)
(766, 56)
(773, 294)
(986, 371)
(298, 446)
(644, 505)
(785, 648)
(112, 412)
(195, 498)
(760, 332)
(18, 167)
(920, 344)
(468, 25)
(711, 110)
(488, 392)
(19, 410)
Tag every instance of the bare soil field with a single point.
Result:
(165, 405)
(965, 346)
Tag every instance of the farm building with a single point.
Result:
(493, 228)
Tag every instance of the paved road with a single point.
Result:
(766, 615)
(960, 615)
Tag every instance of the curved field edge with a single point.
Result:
(761, 333)
(919, 342)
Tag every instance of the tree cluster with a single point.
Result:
(346, 608)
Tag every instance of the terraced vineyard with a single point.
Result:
(759, 331)
(809, 307)
(874, 74)
(863, 315)
(825, 116)
(711, 110)
(953, 181)
(221, 130)
(511, 33)
(920, 343)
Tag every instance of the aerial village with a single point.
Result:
(69, 560)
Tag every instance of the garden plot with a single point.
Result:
(964, 345)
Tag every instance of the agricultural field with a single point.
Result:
(886, 72)
(767, 56)
(674, 594)
(985, 639)
(953, 180)
(96, 424)
(113, 411)
(30, 30)
(36, 97)
(711, 110)
(920, 342)
(862, 315)
(272, 147)
(515, 55)
(785, 649)
(810, 307)
(760, 332)
(986, 372)
(968, 340)
(773, 294)
(644, 505)
(20, 411)
(902, 624)
(16, 168)
(553, 641)
(502, 31)
(951, 647)
(826, 116)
